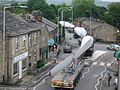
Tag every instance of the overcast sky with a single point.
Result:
(110, 0)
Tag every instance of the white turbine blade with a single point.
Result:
(80, 31)
(66, 24)
(86, 44)
(61, 65)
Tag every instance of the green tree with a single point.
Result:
(18, 10)
(47, 10)
(80, 7)
(113, 15)
(99, 12)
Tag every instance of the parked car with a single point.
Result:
(113, 47)
(67, 49)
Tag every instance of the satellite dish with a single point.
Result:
(80, 31)
(86, 43)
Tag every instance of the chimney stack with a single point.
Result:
(37, 16)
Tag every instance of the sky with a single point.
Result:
(110, 0)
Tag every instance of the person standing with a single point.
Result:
(109, 79)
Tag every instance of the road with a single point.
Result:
(91, 76)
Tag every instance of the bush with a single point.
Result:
(40, 63)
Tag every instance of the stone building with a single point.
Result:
(52, 31)
(98, 29)
(23, 44)
(52, 28)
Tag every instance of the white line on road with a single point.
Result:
(103, 79)
(41, 82)
(108, 64)
(102, 63)
(94, 63)
(86, 72)
(99, 79)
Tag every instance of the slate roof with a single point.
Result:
(94, 23)
(16, 26)
(51, 24)
(50, 29)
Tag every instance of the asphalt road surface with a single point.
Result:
(91, 76)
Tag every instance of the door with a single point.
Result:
(20, 69)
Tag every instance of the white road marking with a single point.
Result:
(94, 63)
(102, 63)
(41, 82)
(103, 79)
(99, 79)
(85, 73)
(108, 64)
(98, 53)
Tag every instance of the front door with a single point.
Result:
(20, 69)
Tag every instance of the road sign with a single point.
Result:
(117, 54)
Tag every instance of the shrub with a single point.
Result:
(40, 63)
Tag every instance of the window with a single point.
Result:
(15, 69)
(30, 40)
(40, 32)
(24, 64)
(17, 44)
(35, 38)
(44, 39)
(24, 42)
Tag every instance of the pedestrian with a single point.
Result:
(116, 83)
(109, 79)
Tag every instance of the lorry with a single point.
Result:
(67, 73)
(67, 78)
(69, 70)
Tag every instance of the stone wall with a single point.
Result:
(105, 32)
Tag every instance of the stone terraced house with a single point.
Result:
(23, 44)
(98, 29)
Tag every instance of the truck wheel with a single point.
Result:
(55, 88)
(72, 88)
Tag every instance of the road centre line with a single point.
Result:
(94, 63)
(98, 82)
(41, 82)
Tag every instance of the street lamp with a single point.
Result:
(90, 21)
(4, 33)
(62, 18)
(117, 55)
(59, 33)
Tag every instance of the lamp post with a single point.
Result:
(90, 13)
(90, 23)
(117, 55)
(59, 32)
(62, 18)
(4, 33)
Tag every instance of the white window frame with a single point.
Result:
(44, 39)
(24, 42)
(35, 38)
(17, 69)
(26, 65)
(30, 40)
(17, 44)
